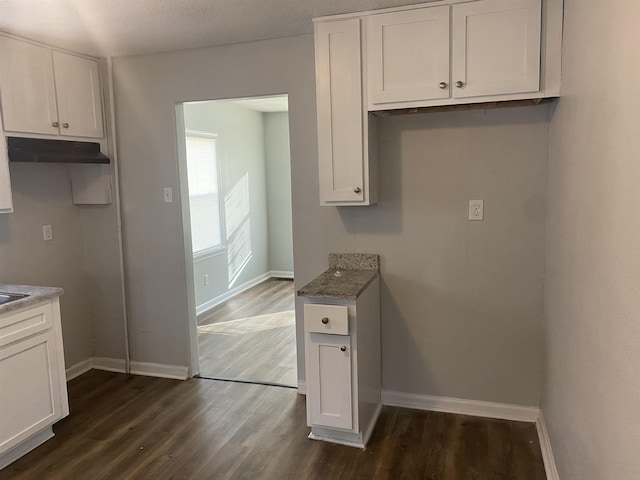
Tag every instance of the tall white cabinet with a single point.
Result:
(346, 162)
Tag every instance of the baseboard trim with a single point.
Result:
(78, 369)
(177, 372)
(302, 387)
(460, 406)
(200, 309)
(118, 365)
(545, 447)
(281, 274)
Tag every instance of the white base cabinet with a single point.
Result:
(32, 375)
(342, 358)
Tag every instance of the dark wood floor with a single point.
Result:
(251, 337)
(134, 427)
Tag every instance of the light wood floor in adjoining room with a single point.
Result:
(252, 336)
(134, 427)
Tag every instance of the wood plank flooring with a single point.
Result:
(251, 337)
(134, 427)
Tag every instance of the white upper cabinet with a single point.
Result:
(78, 94)
(496, 47)
(344, 168)
(460, 52)
(47, 92)
(408, 55)
(27, 88)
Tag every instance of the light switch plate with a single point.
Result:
(476, 210)
(47, 232)
(168, 195)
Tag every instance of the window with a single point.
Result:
(204, 192)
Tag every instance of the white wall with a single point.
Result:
(461, 302)
(592, 294)
(42, 195)
(241, 152)
(278, 161)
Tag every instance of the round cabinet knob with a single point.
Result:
(325, 320)
(357, 190)
(55, 124)
(343, 348)
(459, 84)
(443, 85)
(65, 125)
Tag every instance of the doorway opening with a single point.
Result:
(235, 165)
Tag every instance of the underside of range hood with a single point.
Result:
(53, 151)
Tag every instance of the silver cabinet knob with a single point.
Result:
(343, 348)
(65, 125)
(357, 190)
(55, 124)
(459, 84)
(325, 320)
(443, 85)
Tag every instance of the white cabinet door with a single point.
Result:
(340, 113)
(6, 203)
(78, 94)
(30, 380)
(27, 88)
(408, 55)
(496, 47)
(329, 387)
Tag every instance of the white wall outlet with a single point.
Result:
(476, 209)
(47, 232)
(168, 195)
(206, 279)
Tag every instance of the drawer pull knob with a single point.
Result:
(325, 320)
(65, 125)
(443, 85)
(459, 84)
(357, 190)
(343, 348)
(55, 124)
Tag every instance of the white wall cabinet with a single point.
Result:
(48, 92)
(441, 53)
(492, 49)
(32, 375)
(342, 362)
(346, 162)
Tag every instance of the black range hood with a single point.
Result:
(53, 151)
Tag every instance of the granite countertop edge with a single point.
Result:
(348, 286)
(36, 295)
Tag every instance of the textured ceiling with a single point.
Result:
(129, 27)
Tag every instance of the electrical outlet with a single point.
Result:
(47, 232)
(168, 195)
(206, 279)
(476, 209)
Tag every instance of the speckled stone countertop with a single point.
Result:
(36, 295)
(347, 277)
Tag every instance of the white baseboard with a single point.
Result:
(281, 274)
(159, 370)
(476, 408)
(78, 369)
(25, 447)
(545, 447)
(200, 309)
(118, 365)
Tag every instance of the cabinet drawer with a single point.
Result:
(332, 319)
(24, 323)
